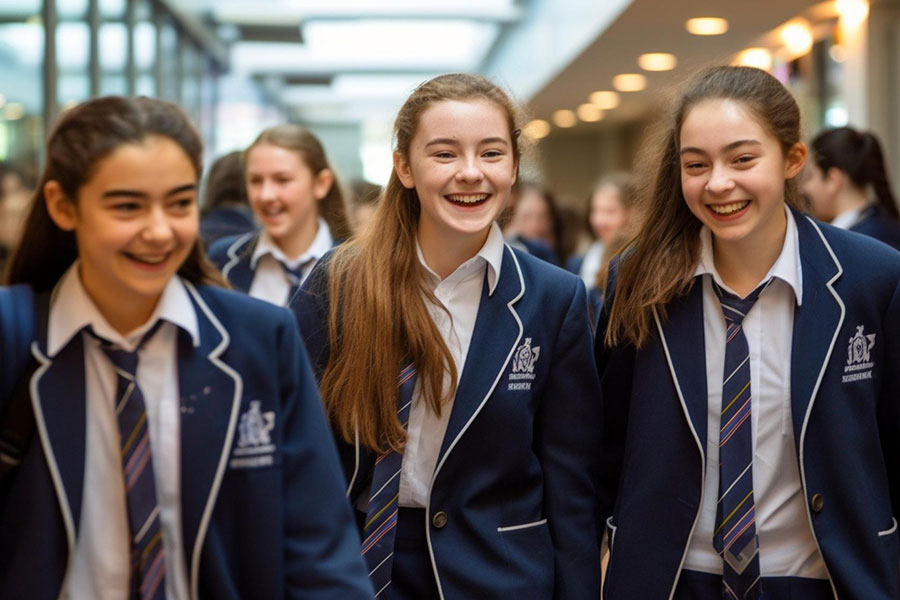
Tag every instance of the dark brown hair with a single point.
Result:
(225, 184)
(859, 155)
(301, 140)
(661, 263)
(84, 136)
(378, 316)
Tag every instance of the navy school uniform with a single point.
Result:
(873, 222)
(511, 507)
(272, 527)
(845, 417)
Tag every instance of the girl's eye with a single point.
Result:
(693, 166)
(493, 154)
(126, 207)
(183, 203)
(443, 155)
(745, 158)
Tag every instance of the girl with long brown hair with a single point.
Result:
(168, 440)
(748, 364)
(456, 371)
(295, 196)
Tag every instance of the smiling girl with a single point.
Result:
(295, 197)
(748, 362)
(457, 371)
(176, 446)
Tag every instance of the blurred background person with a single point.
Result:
(226, 209)
(15, 194)
(533, 223)
(362, 202)
(847, 184)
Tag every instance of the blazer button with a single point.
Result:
(439, 520)
(817, 503)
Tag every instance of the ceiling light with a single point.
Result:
(852, 12)
(797, 36)
(589, 113)
(657, 61)
(707, 26)
(537, 129)
(605, 99)
(564, 118)
(760, 58)
(629, 82)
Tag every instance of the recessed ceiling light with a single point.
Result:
(589, 113)
(605, 99)
(537, 129)
(657, 61)
(629, 82)
(707, 26)
(797, 36)
(564, 118)
(760, 58)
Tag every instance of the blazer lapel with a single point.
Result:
(58, 400)
(816, 322)
(496, 334)
(237, 270)
(210, 393)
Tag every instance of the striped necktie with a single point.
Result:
(381, 513)
(295, 277)
(148, 564)
(735, 538)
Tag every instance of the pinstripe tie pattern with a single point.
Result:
(381, 513)
(148, 565)
(295, 276)
(735, 536)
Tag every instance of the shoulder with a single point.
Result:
(545, 281)
(860, 256)
(239, 312)
(225, 248)
(881, 227)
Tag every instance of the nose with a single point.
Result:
(720, 181)
(470, 171)
(267, 190)
(158, 228)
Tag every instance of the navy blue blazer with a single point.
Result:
(260, 520)
(873, 222)
(226, 221)
(514, 474)
(232, 256)
(845, 399)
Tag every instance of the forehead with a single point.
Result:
(154, 162)
(270, 156)
(462, 121)
(715, 123)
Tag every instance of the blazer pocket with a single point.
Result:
(890, 531)
(523, 526)
(529, 554)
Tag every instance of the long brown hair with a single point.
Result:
(83, 137)
(378, 316)
(301, 140)
(660, 264)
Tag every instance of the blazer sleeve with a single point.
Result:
(322, 548)
(566, 435)
(889, 403)
(311, 307)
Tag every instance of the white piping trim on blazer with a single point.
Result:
(687, 415)
(522, 526)
(462, 431)
(356, 461)
(229, 436)
(812, 398)
(233, 255)
(64, 507)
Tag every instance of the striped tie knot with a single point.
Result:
(736, 308)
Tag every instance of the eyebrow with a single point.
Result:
(116, 193)
(730, 146)
(454, 142)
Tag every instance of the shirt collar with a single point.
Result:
(321, 244)
(71, 310)
(849, 218)
(787, 266)
(491, 253)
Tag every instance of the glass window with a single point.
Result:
(72, 9)
(21, 84)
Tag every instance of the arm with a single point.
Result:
(322, 548)
(566, 441)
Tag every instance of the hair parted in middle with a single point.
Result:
(659, 266)
(378, 316)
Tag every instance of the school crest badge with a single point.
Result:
(254, 446)
(859, 356)
(523, 361)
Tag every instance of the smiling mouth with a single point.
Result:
(731, 208)
(149, 259)
(468, 199)
(272, 211)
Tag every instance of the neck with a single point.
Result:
(742, 264)
(298, 241)
(444, 252)
(851, 198)
(123, 315)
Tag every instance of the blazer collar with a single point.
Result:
(237, 269)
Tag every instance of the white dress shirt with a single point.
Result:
(593, 260)
(99, 568)
(848, 218)
(460, 293)
(270, 282)
(786, 543)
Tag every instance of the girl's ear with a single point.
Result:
(322, 184)
(404, 172)
(794, 160)
(59, 206)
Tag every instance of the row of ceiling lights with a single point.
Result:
(796, 35)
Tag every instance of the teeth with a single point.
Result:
(727, 209)
(467, 199)
(152, 260)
